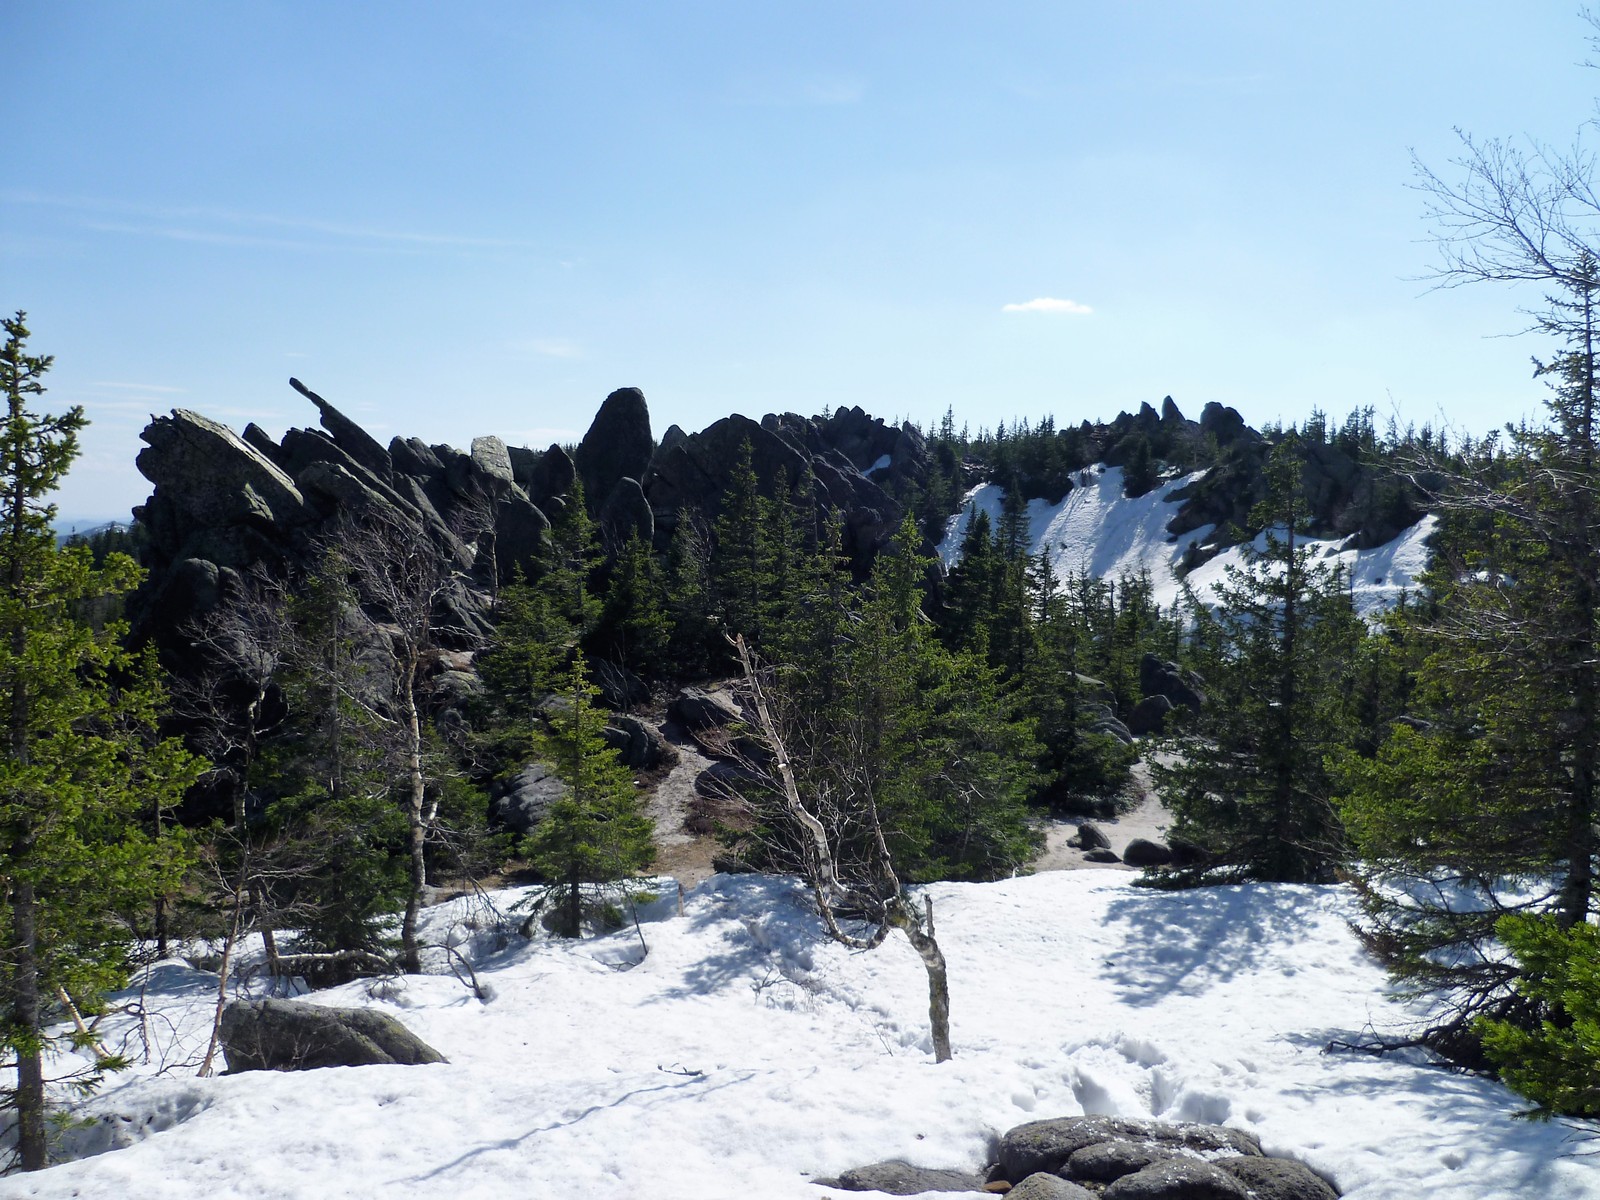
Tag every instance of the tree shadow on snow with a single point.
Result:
(1185, 942)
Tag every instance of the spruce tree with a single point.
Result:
(83, 764)
(738, 569)
(596, 833)
(1250, 789)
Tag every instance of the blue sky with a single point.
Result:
(483, 217)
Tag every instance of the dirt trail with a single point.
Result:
(1149, 819)
(687, 856)
(679, 853)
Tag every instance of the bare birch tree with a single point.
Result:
(834, 838)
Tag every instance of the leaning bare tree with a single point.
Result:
(402, 575)
(833, 836)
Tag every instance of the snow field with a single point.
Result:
(745, 1054)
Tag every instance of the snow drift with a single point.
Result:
(745, 1055)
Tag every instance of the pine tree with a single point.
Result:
(1251, 790)
(633, 627)
(83, 764)
(1482, 804)
(596, 833)
(693, 641)
(925, 736)
(738, 583)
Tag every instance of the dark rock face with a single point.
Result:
(626, 514)
(1103, 855)
(521, 802)
(858, 464)
(553, 476)
(902, 1179)
(279, 1035)
(1149, 716)
(618, 445)
(348, 436)
(216, 480)
(1170, 681)
(1141, 852)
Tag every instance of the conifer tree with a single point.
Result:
(633, 627)
(596, 833)
(1480, 808)
(693, 641)
(1251, 790)
(82, 764)
(738, 579)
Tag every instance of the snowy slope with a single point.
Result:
(1097, 529)
(745, 1054)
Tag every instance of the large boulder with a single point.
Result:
(618, 445)
(697, 709)
(1090, 837)
(1104, 1162)
(1142, 852)
(1178, 1179)
(281, 1035)
(1047, 1145)
(1042, 1186)
(1167, 679)
(898, 1178)
(1149, 716)
(521, 802)
(639, 746)
(1278, 1179)
(493, 463)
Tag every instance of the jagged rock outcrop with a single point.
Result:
(223, 504)
(618, 446)
(858, 464)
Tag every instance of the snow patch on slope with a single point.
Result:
(1095, 528)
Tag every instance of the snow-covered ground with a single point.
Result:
(1097, 529)
(744, 1055)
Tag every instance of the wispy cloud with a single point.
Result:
(224, 226)
(1049, 304)
(138, 387)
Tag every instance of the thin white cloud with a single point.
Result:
(1049, 304)
(137, 387)
(198, 223)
